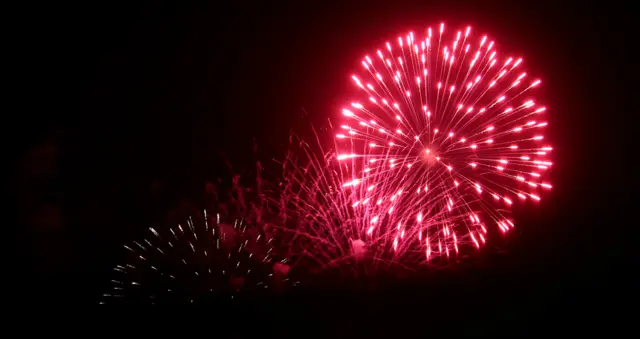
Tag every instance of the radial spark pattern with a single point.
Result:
(443, 137)
(198, 262)
(236, 250)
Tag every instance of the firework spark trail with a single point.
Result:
(326, 225)
(442, 140)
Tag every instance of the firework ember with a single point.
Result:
(443, 137)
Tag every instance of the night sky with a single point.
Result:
(131, 108)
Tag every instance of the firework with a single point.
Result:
(234, 251)
(197, 262)
(443, 137)
(323, 224)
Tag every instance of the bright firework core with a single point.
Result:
(443, 137)
(429, 155)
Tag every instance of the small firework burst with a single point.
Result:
(198, 262)
(234, 251)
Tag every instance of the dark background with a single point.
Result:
(130, 106)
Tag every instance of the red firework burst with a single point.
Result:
(443, 139)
